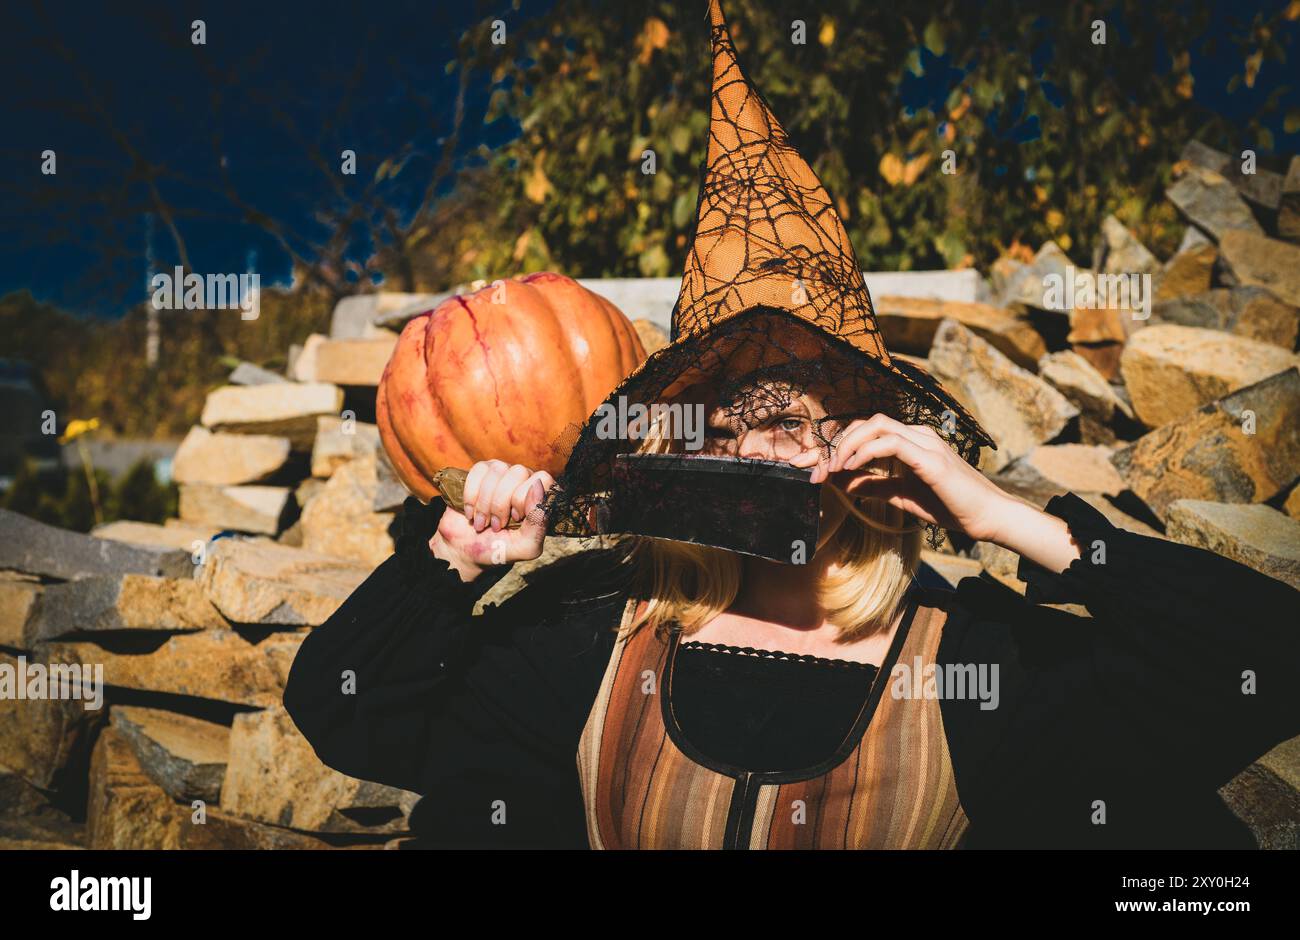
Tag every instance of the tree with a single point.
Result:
(1047, 129)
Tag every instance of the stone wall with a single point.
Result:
(1184, 424)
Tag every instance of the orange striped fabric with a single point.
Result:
(642, 790)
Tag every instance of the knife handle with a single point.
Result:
(450, 482)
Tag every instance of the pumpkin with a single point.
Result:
(506, 372)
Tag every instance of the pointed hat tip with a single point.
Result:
(716, 18)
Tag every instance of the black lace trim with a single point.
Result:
(1087, 526)
(779, 655)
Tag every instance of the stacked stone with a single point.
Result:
(1183, 425)
(195, 624)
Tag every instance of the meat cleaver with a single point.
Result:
(756, 507)
(764, 508)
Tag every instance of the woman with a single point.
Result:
(656, 694)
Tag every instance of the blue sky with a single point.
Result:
(96, 82)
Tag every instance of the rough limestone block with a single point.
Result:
(1120, 251)
(1171, 370)
(185, 756)
(353, 361)
(1244, 448)
(1266, 797)
(1018, 409)
(173, 534)
(261, 582)
(952, 568)
(18, 597)
(909, 324)
(1288, 212)
(248, 374)
(1252, 312)
(652, 337)
(29, 821)
(1026, 287)
(1211, 203)
(1073, 468)
(1252, 260)
(1187, 272)
(1262, 187)
(216, 664)
(257, 509)
(126, 809)
(1098, 401)
(339, 519)
(353, 316)
(39, 736)
(287, 410)
(223, 459)
(338, 441)
(127, 602)
(275, 777)
(390, 492)
(36, 548)
(1258, 536)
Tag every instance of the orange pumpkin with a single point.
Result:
(501, 373)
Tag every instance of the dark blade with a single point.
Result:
(756, 507)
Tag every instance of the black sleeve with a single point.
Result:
(1187, 671)
(360, 683)
(452, 706)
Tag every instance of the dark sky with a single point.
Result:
(104, 83)
(327, 75)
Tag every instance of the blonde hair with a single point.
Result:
(877, 548)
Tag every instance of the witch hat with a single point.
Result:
(768, 248)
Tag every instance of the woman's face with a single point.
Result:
(771, 420)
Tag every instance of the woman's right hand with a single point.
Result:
(479, 537)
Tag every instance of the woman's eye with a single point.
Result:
(790, 424)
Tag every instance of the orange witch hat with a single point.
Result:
(767, 241)
(766, 231)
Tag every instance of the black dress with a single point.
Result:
(1187, 671)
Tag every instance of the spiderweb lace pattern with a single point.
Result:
(772, 294)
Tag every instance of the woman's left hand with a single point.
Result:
(937, 486)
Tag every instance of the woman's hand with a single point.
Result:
(937, 486)
(496, 493)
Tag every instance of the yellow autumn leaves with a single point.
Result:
(897, 172)
(654, 36)
(538, 186)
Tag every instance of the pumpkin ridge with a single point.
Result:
(443, 407)
(406, 381)
(447, 411)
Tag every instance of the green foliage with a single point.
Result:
(594, 85)
(97, 369)
(64, 498)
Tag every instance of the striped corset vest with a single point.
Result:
(888, 786)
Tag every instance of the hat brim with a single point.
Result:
(738, 345)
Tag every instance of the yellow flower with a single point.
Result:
(77, 428)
